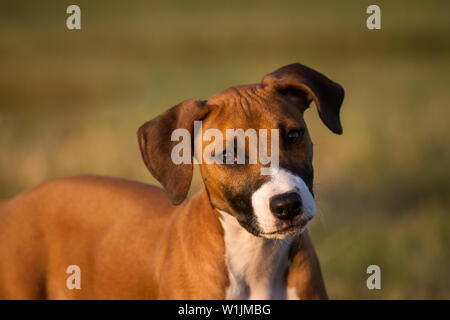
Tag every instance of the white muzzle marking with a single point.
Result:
(282, 181)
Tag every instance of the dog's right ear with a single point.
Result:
(156, 146)
(327, 94)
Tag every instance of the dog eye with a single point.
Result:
(226, 154)
(295, 136)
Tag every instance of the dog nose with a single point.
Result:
(286, 205)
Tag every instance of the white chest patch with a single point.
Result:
(256, 266)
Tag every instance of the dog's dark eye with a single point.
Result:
(225, 155)
(295, 136)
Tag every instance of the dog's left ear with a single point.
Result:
(156, 146)
(299, 79)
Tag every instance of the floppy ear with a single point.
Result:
(156, 146)
(327, 95)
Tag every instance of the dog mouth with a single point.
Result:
(291, 229)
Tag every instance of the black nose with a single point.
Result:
(286, 205)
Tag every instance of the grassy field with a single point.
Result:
(71, 101)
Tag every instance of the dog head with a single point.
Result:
(275, 204)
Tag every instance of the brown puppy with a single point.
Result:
(242, 236)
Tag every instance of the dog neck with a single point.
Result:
(256, 266)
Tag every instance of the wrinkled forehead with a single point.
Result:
(250, 106)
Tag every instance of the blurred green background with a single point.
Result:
(71, 101)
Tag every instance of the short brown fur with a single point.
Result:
(129, 239)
